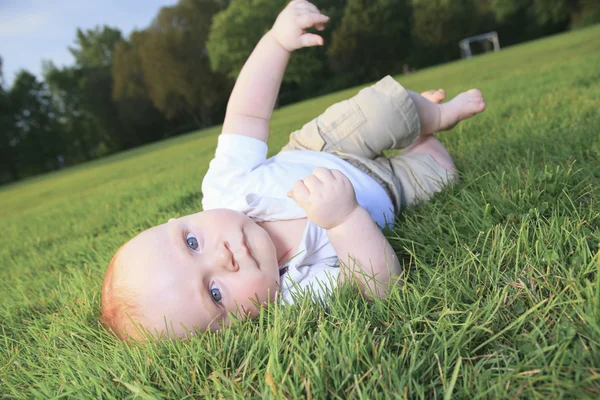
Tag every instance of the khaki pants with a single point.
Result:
(357, 130)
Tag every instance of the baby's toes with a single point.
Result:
(435, 96)
(440, 95)
(475, 94)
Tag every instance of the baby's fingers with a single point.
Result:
(299, 193)
(311, 19)
(305, 5)
(325, 175)
(310, 39)
(312, 183)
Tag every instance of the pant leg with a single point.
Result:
(409, 179)
(379, 117)
(420, 177)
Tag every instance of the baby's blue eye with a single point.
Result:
(192, 242)
(216, 294)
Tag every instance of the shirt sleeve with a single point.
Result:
(315, 270)
(225, 181)
(322, 278)
(317, 280)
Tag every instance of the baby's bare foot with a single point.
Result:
(435, 96)
(463, 106)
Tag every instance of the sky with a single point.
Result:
(36, 30)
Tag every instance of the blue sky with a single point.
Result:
(36, 30)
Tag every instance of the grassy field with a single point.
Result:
(502, 294)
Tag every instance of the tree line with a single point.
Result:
(176, 75)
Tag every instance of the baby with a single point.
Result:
(305, 219)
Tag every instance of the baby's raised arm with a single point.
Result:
(255, 92)
(328, 198)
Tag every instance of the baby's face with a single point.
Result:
(196, 269)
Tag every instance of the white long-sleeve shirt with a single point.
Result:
(241, 178)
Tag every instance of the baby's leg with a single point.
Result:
(377, 118)
(429, 144)
(382, 116)
(425, 167)
(435, 96)
(422, 173)
(436, 117)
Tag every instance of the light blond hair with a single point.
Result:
(120, 310)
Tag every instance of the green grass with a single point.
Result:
(502, 294)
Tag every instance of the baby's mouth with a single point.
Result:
(248, 250)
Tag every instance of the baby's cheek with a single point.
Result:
(255, 293)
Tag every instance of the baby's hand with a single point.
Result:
(290, 27)
(326, 196)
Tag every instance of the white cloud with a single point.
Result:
(32, 30)
(25, 24)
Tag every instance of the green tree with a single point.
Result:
(94, 47)
(84, 92)
(9, 170)
(175, 63)
(588, 13)
(142, 121)
(373, 39)
(549, 12)
(438, 26)
(37, 138)
(237, 29)
(310, 72)
(78, 124)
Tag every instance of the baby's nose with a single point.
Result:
(225, 258)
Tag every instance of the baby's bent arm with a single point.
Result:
(327, 196)
(253, 97)
(366, 257)
(255, 92)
